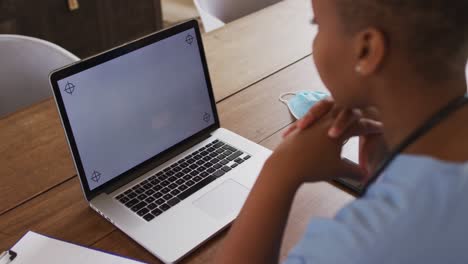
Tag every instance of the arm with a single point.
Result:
(256, 235)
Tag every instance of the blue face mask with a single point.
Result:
(302, 101)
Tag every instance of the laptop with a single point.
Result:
(144, 133)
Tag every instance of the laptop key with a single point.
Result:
(210, 170)
(157, 195)
(132, 195)
(179, 174)
(172, 179)
(148, 217)
(186, 170)
(140, 190)
(232, 149)
(167, 196)
(160, 201)
(210, 149)
(183, 165)
(219, 173)
(175, 192)
(224, 161)
(164, 207)
(157, 188)
(220, 150)
(217, 166)
(138, 206)
(204, 174)
(165, 190)
(240, 161)
(150, 192)
(235, 155)
(143, 211)
(200, 162)
(247, 157)
(234, 165)
(173, 201)
(144, 182)
(152, 206)
(155, 181)
(164, 183)
(180, 181)
(172, 186)
(195, 188)
(124, 200)
(131, 203)
(189, 182)
(142, 196)
(218, 145)
(197, 179)
(194, 173)
(156, 212)
(183, 187)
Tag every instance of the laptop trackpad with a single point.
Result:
(226, 200)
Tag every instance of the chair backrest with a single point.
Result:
(25, 65)
(215, 13)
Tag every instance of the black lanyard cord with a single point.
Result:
(432, 122)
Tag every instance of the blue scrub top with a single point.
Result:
(417, 212)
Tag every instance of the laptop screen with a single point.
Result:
(127, 110)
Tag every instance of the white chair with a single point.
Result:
(25, 64)
(216, 13)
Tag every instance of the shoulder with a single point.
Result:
(403, 210)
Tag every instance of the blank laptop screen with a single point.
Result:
(129, 109)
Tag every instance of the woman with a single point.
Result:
(396, 71)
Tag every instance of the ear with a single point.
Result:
(370, 51)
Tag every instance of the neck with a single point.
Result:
(405, 107)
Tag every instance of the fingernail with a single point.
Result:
(332, 132)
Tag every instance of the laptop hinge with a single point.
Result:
(171, 154)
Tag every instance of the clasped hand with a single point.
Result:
(311, 149)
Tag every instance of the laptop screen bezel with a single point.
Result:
(101, 58)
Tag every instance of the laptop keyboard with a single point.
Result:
(163, 190)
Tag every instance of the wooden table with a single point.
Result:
(252, 61)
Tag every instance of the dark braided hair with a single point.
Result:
(432, 33)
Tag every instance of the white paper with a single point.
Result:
(39, 249)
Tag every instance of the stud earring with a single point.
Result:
(358, 69)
